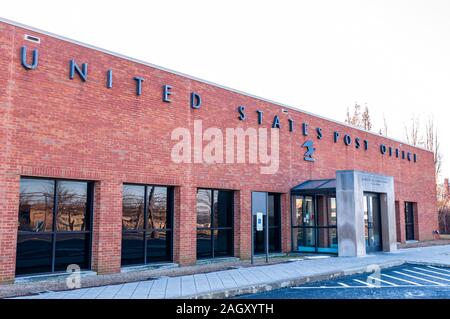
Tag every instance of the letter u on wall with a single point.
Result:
(35, 58)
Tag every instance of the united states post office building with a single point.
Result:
(88, 174)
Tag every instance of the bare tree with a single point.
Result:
(359, 119)
(443, 202)
(412, 131)
(431, 143)
(365, 119)
(385, 126)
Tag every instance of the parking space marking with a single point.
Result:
(364, 283)
(385, 281)
(406, 277)
(425, 274)
(444, 270)
(419, 278)
(404, 280)
(434, 272)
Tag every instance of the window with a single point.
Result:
(214, 223)
(54, 225)
(146, 224)
(409, 220)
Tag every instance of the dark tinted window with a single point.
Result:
(36, 205)
(71, 249)
(204, 201)
(158, 245)
(48, 243)
(274, 210)
(133, 207)
(223, 239)
(34, 253)
(214, 223)
(157, 207)
(223, 209)
(72, 201)
(146, 224)
(204, 243)
(132, 248)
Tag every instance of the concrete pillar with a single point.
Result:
(350, 188)
(350, 217)
(388, 226)
(107, 228)
(185, 226)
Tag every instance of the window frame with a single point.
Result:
(146, 230)
(90, 196)
(212, 229)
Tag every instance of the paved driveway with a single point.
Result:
(404, 282)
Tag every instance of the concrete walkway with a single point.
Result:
(237, 281)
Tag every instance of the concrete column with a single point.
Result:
(185, 226)
(107, 228)
(350, 217)
(9, 208)
(350, 188)
(388, 227)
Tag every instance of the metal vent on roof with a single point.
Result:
(32, 38)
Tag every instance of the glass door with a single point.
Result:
(314, 227)
(274, 215)
(372, 222)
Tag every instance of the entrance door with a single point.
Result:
(409, 220)
(274, 231)
(372, 222)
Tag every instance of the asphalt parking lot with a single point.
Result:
(403, 282)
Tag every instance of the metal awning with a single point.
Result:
(315, 186)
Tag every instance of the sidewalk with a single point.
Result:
(228, 283)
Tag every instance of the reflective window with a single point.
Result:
(146, 224)
(37, 197)
(133, 198)
(54, 229)
(204, 203)
(157, 208)
(72, 200)
(214, 223)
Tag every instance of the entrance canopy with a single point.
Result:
(315, 186)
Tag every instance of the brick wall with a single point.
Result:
(52, 126)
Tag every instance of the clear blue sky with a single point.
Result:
(319, 56)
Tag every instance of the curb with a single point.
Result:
(286, 283)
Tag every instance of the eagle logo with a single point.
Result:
(308, 156)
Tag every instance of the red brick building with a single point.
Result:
(87, 174)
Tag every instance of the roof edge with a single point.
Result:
(118, 55)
